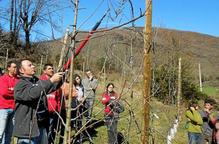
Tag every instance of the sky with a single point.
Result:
(190, 15)
(187, 15)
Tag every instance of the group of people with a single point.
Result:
(33, 109)
(202, 125)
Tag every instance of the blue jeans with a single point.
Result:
(43, 138)
(111, 124)
(195, 138)
(6, 125)
(27, 141)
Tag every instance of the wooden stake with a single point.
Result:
(63, 49)
(179, 88)
(147, 71)
(67, 136)
(200, 76)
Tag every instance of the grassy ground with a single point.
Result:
(162, 116)
(211, 91)
(126, 123)
(181, 136)
(159, 126)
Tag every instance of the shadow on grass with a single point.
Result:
(91, 132)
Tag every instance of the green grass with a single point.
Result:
(159, 126)
(210, 91)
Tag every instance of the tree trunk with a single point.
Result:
(11, 21)
(15, 28)
(27, 42)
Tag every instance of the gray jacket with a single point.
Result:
(27, 93)
(207, 124)
(89, 87)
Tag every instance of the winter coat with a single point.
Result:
(194, 121)
(113, 107)
(207, 123)
(7, 84)
(28, 92)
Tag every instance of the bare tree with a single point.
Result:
(14, 25)
(29, 17)
(31, 13)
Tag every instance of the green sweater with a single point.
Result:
(194, 121)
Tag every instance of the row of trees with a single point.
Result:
(23, 17)
(164, 64)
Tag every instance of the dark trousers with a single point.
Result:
(56, 126)
(76, 116)
(111, 124)
(53, 119)
(88, 108)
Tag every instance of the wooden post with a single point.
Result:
(200, 76)
(131, 52)
(67, 136)
(63, 49)
(179, 88)
(147, 71)
(104, 74)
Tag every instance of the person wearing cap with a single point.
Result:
(7, 105)
(113, 107)
(207, 117)
(194, 124)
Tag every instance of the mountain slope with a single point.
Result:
(116, 46)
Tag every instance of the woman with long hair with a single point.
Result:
(77, 106)
(113, 107)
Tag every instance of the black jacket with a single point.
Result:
(27, 93)
(116, 107)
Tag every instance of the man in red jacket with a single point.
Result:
(55, 103)
(7, 104)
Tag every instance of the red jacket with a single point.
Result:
(106, 97)
(54, 98)
(7, 84)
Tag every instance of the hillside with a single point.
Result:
(116, 46)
